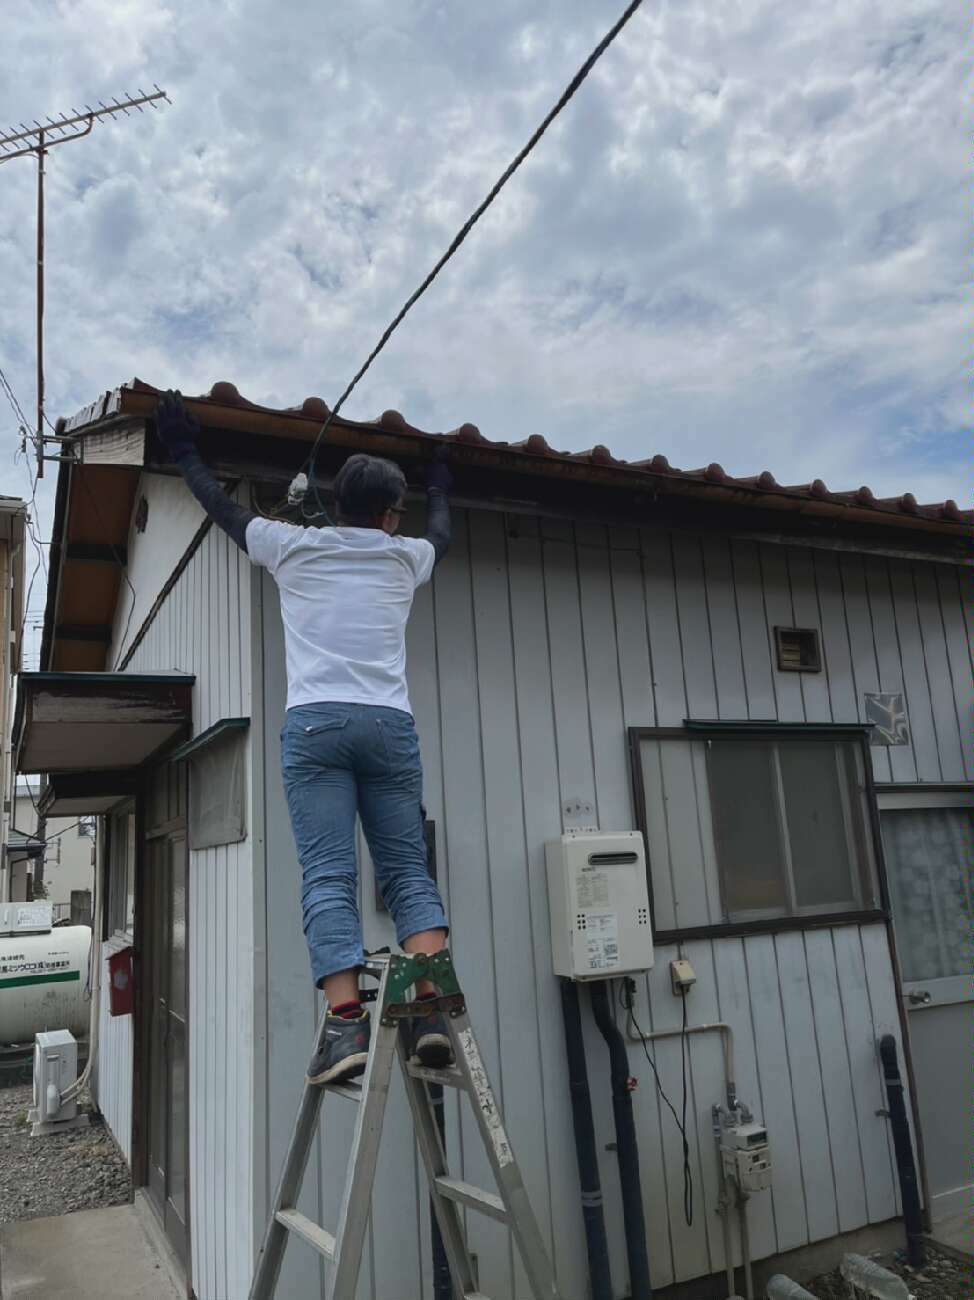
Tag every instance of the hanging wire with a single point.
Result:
(461, 235)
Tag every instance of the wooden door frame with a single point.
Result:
(141, 1082)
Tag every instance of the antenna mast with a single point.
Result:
(37, 139)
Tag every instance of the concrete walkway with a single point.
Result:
(112, 1254)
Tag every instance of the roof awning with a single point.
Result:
(82, 794)
(100, 725)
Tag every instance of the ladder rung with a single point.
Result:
(464, 1194)
(449, 1078)
(315, 1235)
(353, 1091)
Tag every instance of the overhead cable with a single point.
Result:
(465, 229)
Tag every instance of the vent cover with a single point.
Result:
(798, 649)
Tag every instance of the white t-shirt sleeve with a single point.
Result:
(269, 540)
(421, 557)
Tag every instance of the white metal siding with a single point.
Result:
(203, 627)
(535, 648)
(114, 1074)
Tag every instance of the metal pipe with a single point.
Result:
(723, 1207)
(916, 1251)
(600, 1278)
(742, 1200)
(40, 303)
(715, 1026)
(627, 1145)
(442, 1284)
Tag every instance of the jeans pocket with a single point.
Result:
(400, 743)
(316, 728)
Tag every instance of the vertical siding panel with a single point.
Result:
(883, 995)
(517, 1009)
(806, 1086)
(664, 632)
(804, 600)
(756, 650)
(691, 1255)
(697, 652)
(840, 1112)
(657, 839)
(959, 658)
(862, 648)
(464, 817)
(788, 1184)
(836, 651)
(724, 629)
(635, 671)
(934, 641)
(734, 1007)
(902, 758)
(915, 676)
(576, 779)
(780, 613)
(705, 1056)
(541, 810)
(603, 689)
(867, 1086)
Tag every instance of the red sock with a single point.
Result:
(348, 1010)
(425, 997)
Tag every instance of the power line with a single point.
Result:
(465, 230)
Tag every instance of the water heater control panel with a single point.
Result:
(598, 896)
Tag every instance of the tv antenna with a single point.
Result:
(36, 139)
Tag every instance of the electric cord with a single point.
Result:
(458, 239)
(627, 1001)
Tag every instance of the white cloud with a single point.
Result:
(744, 240)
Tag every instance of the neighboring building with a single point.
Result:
(61, 855)
(759, 678)
(13, 524)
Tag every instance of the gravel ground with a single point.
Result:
(942, 1278)
(78, 1170)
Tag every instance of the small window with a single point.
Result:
(798, 649)
(217, 813)
(790, 826)
(121, 886)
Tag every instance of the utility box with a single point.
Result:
(598, 897)
(746, 1156)
(55, 1069)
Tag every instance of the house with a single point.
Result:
(772, 683)
(13, 541)
(63, 849)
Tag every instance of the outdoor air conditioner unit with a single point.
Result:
(55, 1069)
(598, 896)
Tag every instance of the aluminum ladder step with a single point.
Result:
(466, 1194)
(447, 1078)
(313, 1233)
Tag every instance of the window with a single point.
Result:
(928, 856)
(121, 886)
(790, 827)
(217, 789)
(753, 826)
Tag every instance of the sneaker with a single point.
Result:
(344, 1051)
(431, 1046)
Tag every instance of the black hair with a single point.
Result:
(367, 486)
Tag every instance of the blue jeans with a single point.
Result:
(339, 760)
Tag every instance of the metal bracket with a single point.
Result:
(403, 974)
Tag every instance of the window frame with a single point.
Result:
(809, 918)
(116, 817)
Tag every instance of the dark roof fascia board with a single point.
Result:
(407, 444)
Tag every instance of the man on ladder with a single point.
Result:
(349, 745)
(349, 748)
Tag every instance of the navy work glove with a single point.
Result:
(438, 473)
(176, 428)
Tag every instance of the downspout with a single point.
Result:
(903, 1149)
(627, 1147)
(600, 1278)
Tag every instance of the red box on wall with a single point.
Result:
(121, 992)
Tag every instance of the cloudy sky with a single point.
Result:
(744, 241)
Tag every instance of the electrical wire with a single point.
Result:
(461, 235)
(627, 1000)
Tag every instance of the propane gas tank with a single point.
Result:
(42, 983)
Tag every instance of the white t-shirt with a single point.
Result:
(345, 594)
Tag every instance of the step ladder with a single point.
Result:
(396, 975)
